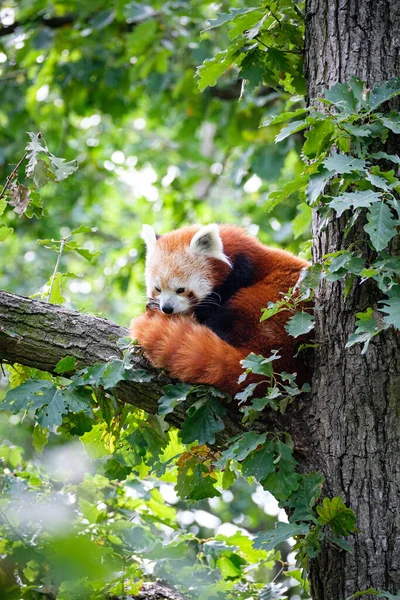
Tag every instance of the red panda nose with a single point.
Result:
(167, 309)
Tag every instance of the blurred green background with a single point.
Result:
(113, 85)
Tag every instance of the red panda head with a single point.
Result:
(180, 266)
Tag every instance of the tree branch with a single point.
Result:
(39, 335)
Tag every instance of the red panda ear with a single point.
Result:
(207, 241)
(149, 236)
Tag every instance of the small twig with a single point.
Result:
(123, 578)
(274, 15)
(11, 176)
(53, 277)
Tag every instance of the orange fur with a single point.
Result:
(192, 352)
(188, 351)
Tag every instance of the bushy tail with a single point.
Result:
(189, 351)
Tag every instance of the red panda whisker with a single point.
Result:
(216, 294)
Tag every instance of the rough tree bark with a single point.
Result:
(355, 398)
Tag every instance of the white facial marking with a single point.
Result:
(186, 268)
(149, 236)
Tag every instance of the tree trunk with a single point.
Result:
(355, 398)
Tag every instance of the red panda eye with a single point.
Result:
(157, 289)
(180, 290)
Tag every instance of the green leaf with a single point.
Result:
(303, 499)
(56, 296)
(94, 442)
(355, 199)
(273, 308)
(285, 116)
(229, 477)
(40, 438)
(253, 27)
(248, 391)
(249, 24)
(377, 181)
(282, 482)
(5, 232)
(381, 226)
(252, 69)
(42, 174)
(62, 169)
(310, 277)
(317, 184)
(334, 513)
(293, 127)
(366, 329)
(3, 205)
(223, 18)
(392, 122)
(299, 324)
(54, 407)
(358, 130)
(268, 540)
(174, 394)
(339, 261)
(212, 68)
(260, 463)
(391, 307)
(342, 96)
(84, 229)
(341, 163)
(231, 566)
(340, 542)
(195, 483)
(240, 447)
(203, 423)
(88, 254)
(114, 372)
(66, 365)
(77, 399)
(27, 395)
(384, 156)
(276, 59)
(258, 364)
(318, 139)
(274, 198)
(382, 92)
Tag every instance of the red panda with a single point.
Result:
(206, 288)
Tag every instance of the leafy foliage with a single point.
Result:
(354, 178)
(115, 90)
